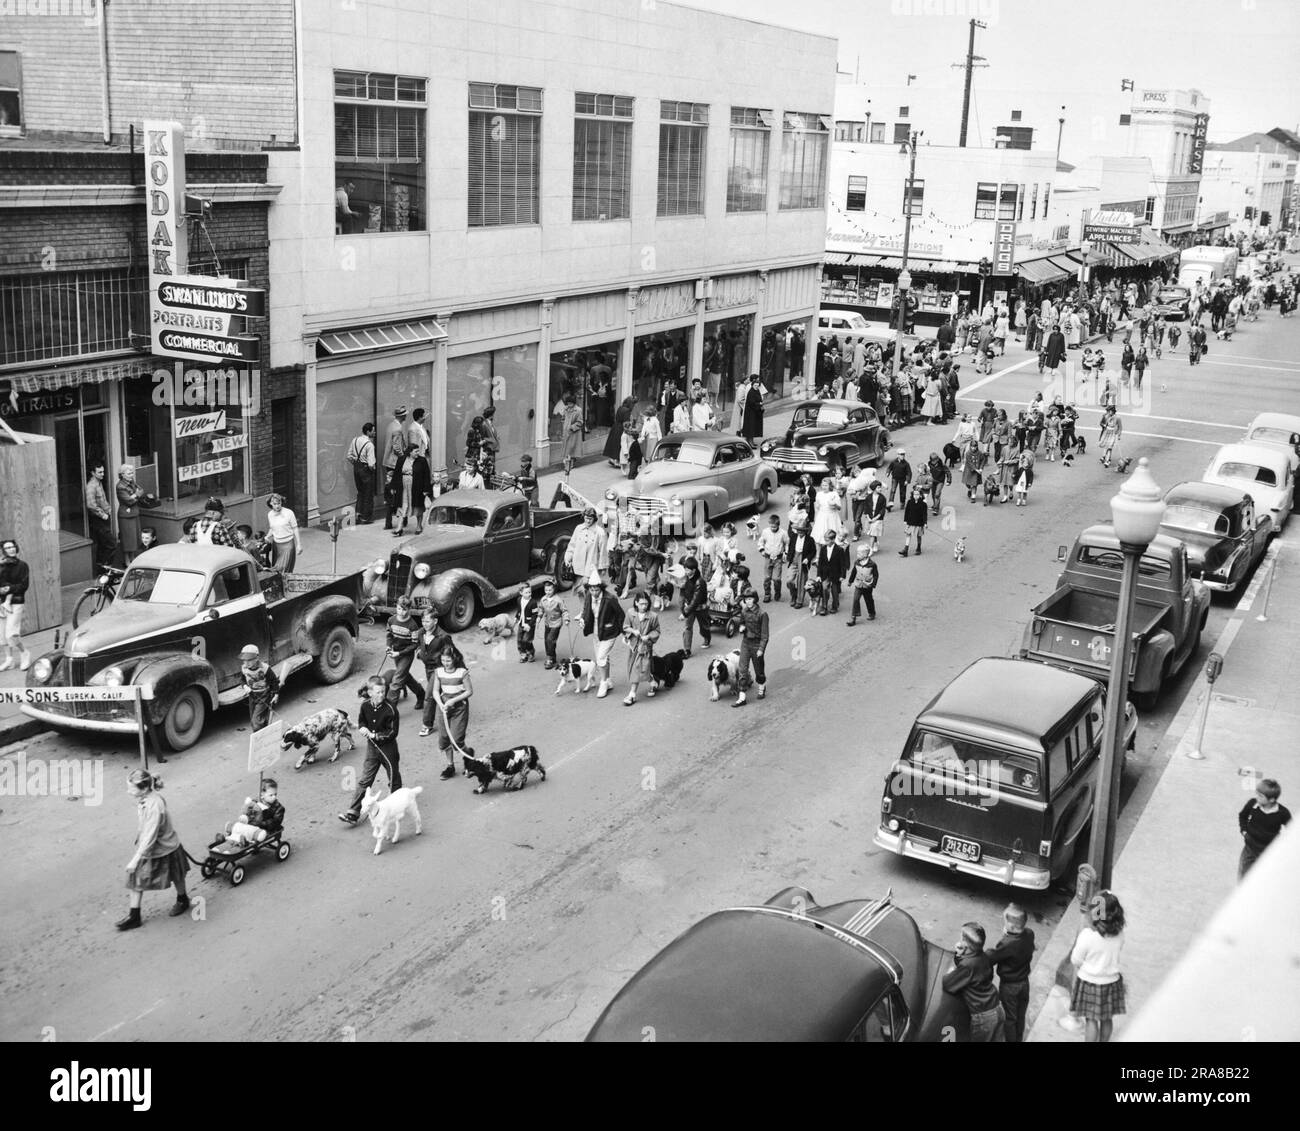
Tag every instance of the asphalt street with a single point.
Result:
(518, 916)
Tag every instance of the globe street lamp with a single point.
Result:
(1086, 248)
(1136, 512)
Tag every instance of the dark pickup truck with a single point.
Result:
(181, 616)
(477, 548)
(1075, 627)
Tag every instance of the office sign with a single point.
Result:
(213, 296)
(1004, 248)
(1110, 233)
(194, 345)
(164, 194)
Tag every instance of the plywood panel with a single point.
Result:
(29, 515)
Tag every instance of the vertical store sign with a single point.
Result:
(1196, 161)
(1004, 248)
(164, 157)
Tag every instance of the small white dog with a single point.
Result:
(959, 550)
(497, 627)
(386, 813)
(752, 527)
(580, 673)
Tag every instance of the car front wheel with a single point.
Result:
(334, 663)
(184, 721)
(460, 613)
(761, 498)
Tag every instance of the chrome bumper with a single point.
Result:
(999, 871)
(69, 722)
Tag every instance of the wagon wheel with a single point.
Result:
(236, 875)
(282, 853)
(208, 869)
(731, 629)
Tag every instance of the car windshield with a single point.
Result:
(700, 455)
(1275, 436)
(161, 586)
(1190, 517)
(823, 416)
(474, 517)
(1251, 472)
(1175, 294)
(1113, 560)
(976, 765)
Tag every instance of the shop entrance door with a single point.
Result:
(282, 451)
(80, 441)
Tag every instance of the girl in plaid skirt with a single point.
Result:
(1098, 993)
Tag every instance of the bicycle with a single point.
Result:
(99, 596)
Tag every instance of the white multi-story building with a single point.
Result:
(1250, 180)
(506, 203)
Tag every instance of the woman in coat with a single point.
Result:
(640, 631)
(1054, 351)
(129, 494)
(614, 441)
(491, 443)
(932, 409)
(474, 442)
(972, 475)
(751, 420)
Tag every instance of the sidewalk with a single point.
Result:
(1179, 863)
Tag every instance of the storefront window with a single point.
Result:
(657, 360)
(726, 358)
(506, 378)
(774, 359)
(592, 377)
(343, 406)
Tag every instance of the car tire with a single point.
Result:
(564, 579)
(762, 498)
(334, 664)
(460, 612)
(182, 726)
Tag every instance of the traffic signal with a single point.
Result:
(986, 268)
(1250, 213)
(1265, 218)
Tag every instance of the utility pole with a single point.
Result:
(1060, 134)
(970, 75)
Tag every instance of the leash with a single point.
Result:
(445, 720)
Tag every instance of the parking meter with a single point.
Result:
(1214, 668)
(1085, 887)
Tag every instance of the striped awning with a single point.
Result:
(840, 259)
(1038, 272)
(373, 339)
(1148, 249)
(73, 376)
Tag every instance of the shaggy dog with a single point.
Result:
(580, 673)
(315, 729)
(662, 598)
(666, 670)
(952, 454)
(494, 628)
(724, 674)
(386, 814)
(505, 766)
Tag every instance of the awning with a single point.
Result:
(1148, 249)
(373, 339)
(891, 263)
(1037, 272)
(1064, 264)
(72, 376)
(839, 259)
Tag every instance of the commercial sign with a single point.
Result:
(1004, 248)
(1196, 160)
(35, 696)
(1113, 227)
(191, 317)
(40, 404)
(187, 427)
(208, 467)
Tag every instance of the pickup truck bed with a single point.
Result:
(1078, 629)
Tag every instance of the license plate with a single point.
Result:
(782, 466)
(966, 850)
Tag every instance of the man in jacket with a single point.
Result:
(832, 566)
(394, 449)
(588, 550)
(940, 476)
(916, 517)
(900, 479)
(694, 598)
(379, 724)
(14, 580)
(800, 556)
(972, 978)
(754, 633)
(361, 455)
(602, 616)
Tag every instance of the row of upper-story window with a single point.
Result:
(380, 152)
(993, 201)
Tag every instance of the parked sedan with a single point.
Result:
(1261, 471)
(829, 434)
(694, 478)
(1224, 534)
(792, 971)
(1172, 303)
(1278, 430)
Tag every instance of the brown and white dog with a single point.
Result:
(507, 766)
(580, 673)
(315, 729)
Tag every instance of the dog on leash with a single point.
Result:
(662, 597)
(580, 673)
(959, 550)
(498, 627)
(315, 729)
(505, 766)
(951, 454)
(666, 670)
(752, 527)
(724, 674)
(386, 814)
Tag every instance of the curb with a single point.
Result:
(20, 730)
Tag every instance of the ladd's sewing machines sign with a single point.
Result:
(190, 317)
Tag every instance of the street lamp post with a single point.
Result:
(1136, 512)
(905, 276)
(1086, 248)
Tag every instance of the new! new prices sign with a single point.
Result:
(191, 317)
